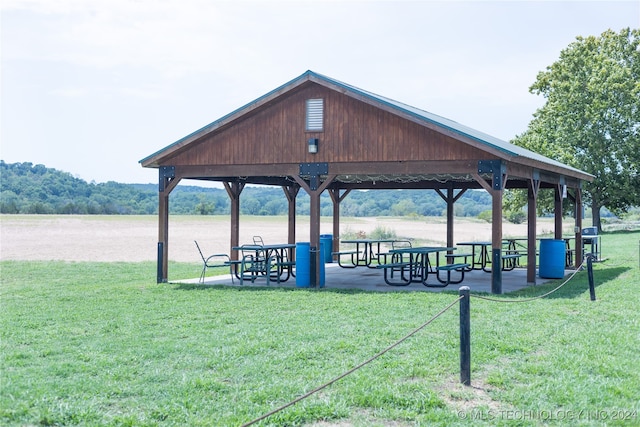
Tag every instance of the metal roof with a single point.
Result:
(483, 138)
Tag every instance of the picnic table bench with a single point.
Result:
(453, 257)
(460, 267)
(393, 267)
(511, 260)
(404, 267)
(354, 258)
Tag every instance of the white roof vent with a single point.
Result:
(315, 114)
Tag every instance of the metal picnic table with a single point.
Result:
(366, 251)
(274, 261)
(418, 266)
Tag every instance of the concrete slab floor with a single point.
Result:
(371, 279)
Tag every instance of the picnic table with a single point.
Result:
(273, 261)
(481, 257)
(413, 265)
(479, 254)
(365, 252)
(516, 245)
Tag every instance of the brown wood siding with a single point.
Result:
(353, 132)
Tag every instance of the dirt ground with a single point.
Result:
(134, 238)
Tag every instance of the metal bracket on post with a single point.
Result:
(313, 171)
(166, 173)
(496, 167)
(535, 178)
(562, 187)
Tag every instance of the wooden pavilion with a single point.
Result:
(319, 134)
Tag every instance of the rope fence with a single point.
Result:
(533, 298)
(352, 370)
(465, 336)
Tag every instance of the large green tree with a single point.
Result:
(591, 118)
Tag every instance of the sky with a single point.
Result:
(91, 87)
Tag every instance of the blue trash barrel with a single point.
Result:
(303, 265)
(327, 240)
(552, 258)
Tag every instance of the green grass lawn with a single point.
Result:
(103, 344)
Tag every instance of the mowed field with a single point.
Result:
(99, 343)
(134, 238)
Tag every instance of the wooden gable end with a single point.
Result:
(354, 131)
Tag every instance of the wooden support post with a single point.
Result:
(336, 198)
(558, 212)
(532, 215)
(167, 181)
(163, 237)
(291, 192)
(314, 189)
(335, 230)
(450, 215)
(314, 238)
(496, 245)
(578, 228)
(498, 182)
(234, 189)
(450, 199)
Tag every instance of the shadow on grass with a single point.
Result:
(577, 287)
(252, 288)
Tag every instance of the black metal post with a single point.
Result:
(465, 336)
(313, 267)
(592, 288)
(160, 258)
(496, 271)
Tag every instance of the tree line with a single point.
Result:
(26, 188)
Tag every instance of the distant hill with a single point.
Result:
(36, 189)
